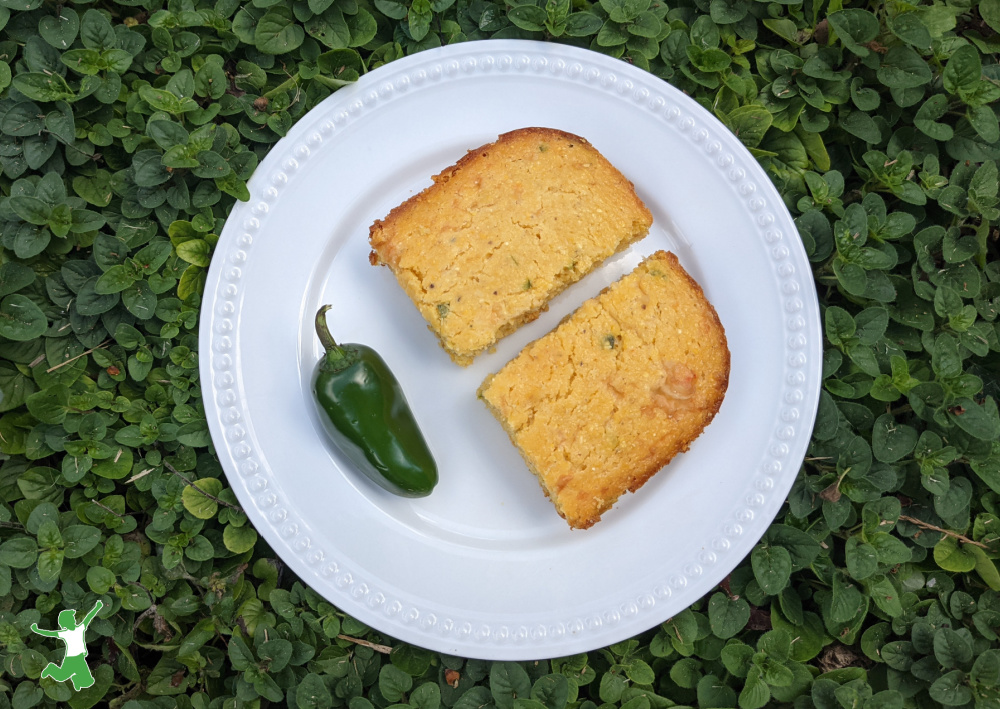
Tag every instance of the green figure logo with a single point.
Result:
(74, 665)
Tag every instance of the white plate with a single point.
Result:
(484, 567)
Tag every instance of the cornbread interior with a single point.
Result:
(620, 387)
(504, 230)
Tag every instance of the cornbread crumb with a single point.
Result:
(500, 233)
(618, 389)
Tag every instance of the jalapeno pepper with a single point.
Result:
(372, 422)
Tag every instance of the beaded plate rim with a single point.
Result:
(349, 588)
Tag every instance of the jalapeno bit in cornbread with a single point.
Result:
(609, 397)
(498, 234)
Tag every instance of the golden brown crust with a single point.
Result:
(504, 230)
(600, 404)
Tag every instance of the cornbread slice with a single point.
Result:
(619, 388)
(498, 234)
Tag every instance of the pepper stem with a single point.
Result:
(333, 350)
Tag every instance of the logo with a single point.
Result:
(74, 666)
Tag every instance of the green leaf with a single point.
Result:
(864, 99)
(861, 125)
(984, 182)
(234, 186)
(19, 552)
(419, 20)
(861, 558)
(96, 189)
(984, 121)
(551, 690)
(31, 209)
(100, 579)
(892, 441)
(134, 598)
(363, 27)
(950, 689)
(162, 100)
(23, 119)
(988, 469)
(871, 324)
(428, 696)
(520, 703)
(886, 596)
(80, 539)
(611, 688)
(772, 566)
(749, 123)
(153, 255)
(990, 12)
(950, 556)
(311, 693)
(275, 654)
(755, 693)
(474, 698)
(167, 134)
(20, 319)
(38, 86)
(910, 28)
(802, 548)
(528, 17)
(582, 24)
(211, 164)
(624, 10)
(854, 28)
(726, 12)
(96, 31)
(808, 638)
(337, 60)
(239, 539)
(685, 673)
(117, 60)
(840, 326)
(240, 654)
(116, 279)
(197, 500)
(889, 549)
(318, 6)
(15, 387)
(963, 70)
(83, 61)
(115, 467)
(737, 658)
(978, 420)
(638, 671)
(393, 683)
(50, 563)
(60, 30)
(846, 601)
(391, 8)
(726, 616)
(508, 680)
(713, 692)
(777, 675)
(903, 68)
(148, 170)
(14, 276)
(926, 118)
(195, 251)
(330, 28)
(951, 648)
(140, 300)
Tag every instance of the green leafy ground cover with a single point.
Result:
(128, 129)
